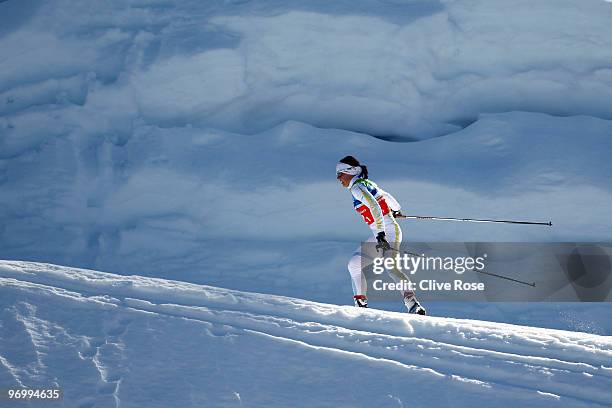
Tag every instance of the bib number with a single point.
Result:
(365, 212)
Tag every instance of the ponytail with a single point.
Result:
(352, 161)
(364, 171)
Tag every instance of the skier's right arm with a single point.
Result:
(361, 193)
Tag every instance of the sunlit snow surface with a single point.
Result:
(109, 340)
(196, 140)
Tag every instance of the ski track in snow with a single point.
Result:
(501, 358)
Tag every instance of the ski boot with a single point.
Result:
(412, 304)
(361, 301)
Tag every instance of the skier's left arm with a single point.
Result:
(393, 204)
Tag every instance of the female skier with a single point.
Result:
(377, 207)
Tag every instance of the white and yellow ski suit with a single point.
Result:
(376, 206)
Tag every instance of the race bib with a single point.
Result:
(365, 212)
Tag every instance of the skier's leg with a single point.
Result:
(394, 236)
(394, 232)
(360, 259)
(357, 278)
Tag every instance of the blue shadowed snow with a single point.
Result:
(150, 342)
(197, 140)
(189, 146)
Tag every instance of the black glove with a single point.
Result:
(382, 242)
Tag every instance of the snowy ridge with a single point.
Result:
(153, 128)
(61, 307)
(402, 69)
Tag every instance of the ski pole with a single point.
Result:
(425, 217)
(505, 277)
(413, 254)
(410, 254)
(475, 270)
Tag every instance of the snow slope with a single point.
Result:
(266, 213)
(132, 341)
(397, 68)
(135, 135)
(196, 140)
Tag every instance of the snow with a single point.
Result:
(112, 340)
(412, 69)
(159, 137)
(195, 142)
(266, 214)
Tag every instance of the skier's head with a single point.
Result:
(349, 167)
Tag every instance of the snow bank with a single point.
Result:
(407, 69)
(196, 140)
(266, 213)
(132, 341)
